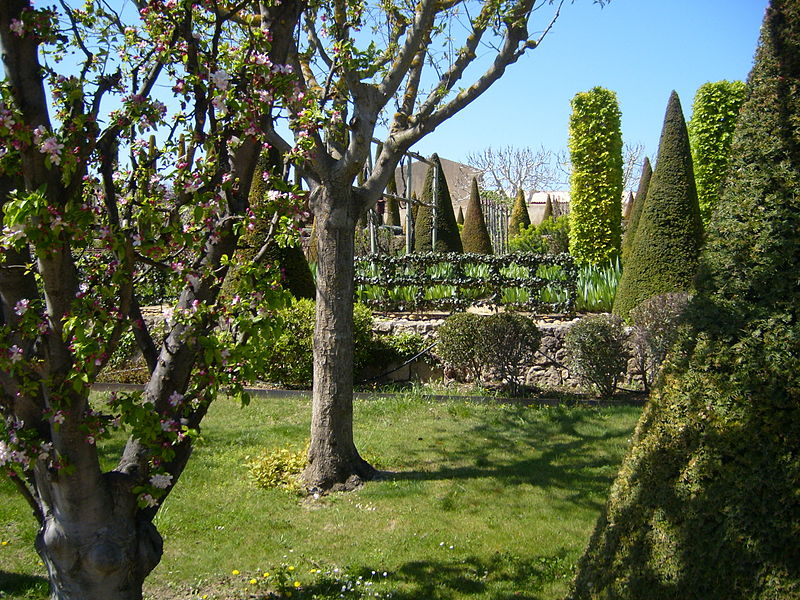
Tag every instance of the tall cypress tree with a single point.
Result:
(447, 236)
(595, 145)
(666, 246)
(475, 235)
(520, 217)
(460, 217)
(706, 505)
(636, 210)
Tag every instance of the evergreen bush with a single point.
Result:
(705, 505)
(714, 114)
(475, 236)
(506, 344)
(596, 353)
(447, 236)
(548, 209)
(519, 216)
(636, 209)
(595, 144)
(502, 344)
(667, 242)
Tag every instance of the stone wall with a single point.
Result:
(548, 369)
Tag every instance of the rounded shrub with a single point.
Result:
(596, 352)
(457, 345)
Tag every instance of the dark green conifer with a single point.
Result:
(706, 505)
(460, 217)
(519, 215)
(548, 209)
(636, 210)
(447, 236)
(392, 209)
(475, 235)
(295, 273)
(667, 241)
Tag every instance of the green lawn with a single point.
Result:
(480, 500)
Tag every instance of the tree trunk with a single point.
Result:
(333, 461)
(101, 552)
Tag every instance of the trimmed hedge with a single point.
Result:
(667, 242)
(525, 281)
(706, 505)
(714, 114)
(595, 144)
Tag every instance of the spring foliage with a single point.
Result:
(595, 144)
(667, 242)
(706, 504)
(714, 114)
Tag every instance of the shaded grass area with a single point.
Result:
(477, 500)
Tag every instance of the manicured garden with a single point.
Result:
(480, 499)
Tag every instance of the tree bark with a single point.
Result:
(333, 460)
(102, 550)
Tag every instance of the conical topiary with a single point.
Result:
(706, 505)
(628, 207)
(548, 209)
(392, 211)
(636, 209)
(667, 240)
(447, 236)
(519, 215)
(295, 273)
(460, 217)
(475, 235)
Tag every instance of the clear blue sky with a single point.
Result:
(641, 49)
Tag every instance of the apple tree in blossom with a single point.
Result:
(128, 144)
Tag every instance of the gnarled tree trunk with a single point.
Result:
(334, 461)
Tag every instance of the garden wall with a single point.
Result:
(548, 369)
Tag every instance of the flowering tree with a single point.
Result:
(401, 65)
(95, 200)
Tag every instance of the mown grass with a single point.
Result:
(479, 500)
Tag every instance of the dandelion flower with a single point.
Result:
(4, 543)
(235, 572)
(266, 573)
(253, 581)
(297, 584)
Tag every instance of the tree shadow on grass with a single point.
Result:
(499, 576)
(23, 586)
(554, 453)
